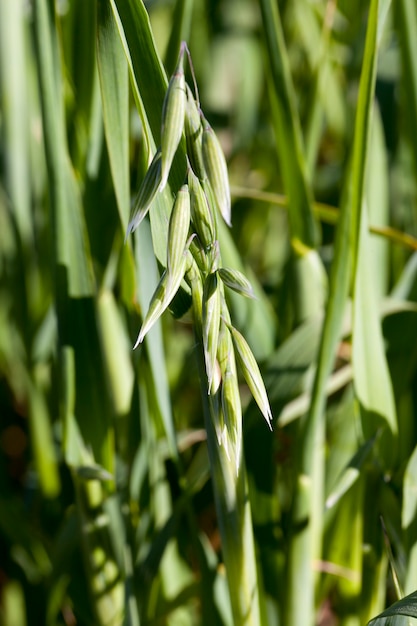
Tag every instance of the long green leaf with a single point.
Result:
(407, 17)
(116, 353)
(115, 98)
(71, 247)
(406, 606)
(42, 442)
(147, 277)
(150, 79)
(287, 128)
(372, 380)
(308, 505)
(408, 521)
(14, 104)
(309, 283)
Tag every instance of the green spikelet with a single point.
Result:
(201, 213)
(146, 194)
(251, 372)
(237, 281)
(173, 113)
(179, 224)
(194, 136)
(161, 299)
(216, 168)
(211, 324)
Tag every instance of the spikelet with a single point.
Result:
(194, 279)
(199, 255)
(224, 344)
(201, 213)
(194, 135)
(161, 299)
(211, 325)
(179, 224)
(251, 372)
(230, 397)
(146, 194)
(232, 415)
(237, 281)
(216, 168)
(173, 112)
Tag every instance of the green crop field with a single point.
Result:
(208, 312)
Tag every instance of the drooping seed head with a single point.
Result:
(146, 194)
(173, 112)
(216, 168)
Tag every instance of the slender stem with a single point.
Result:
(234, 516)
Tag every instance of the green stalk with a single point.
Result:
(234, 516)
(305, 545)
(232, 502)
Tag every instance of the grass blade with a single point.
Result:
(408, 521)
(42, 441)
(71, 246)
(406, 606)
(287, 128)
(407, 18)
(115, 98)
(150, 78)
(372, 380)
(308, 269)
(116, 353)
(147, 278)
(305, 546)
(14, 104)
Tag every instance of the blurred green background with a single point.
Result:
(107, 513)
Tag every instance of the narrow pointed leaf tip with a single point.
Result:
(173, 114)
(216, 167)
(251, 373)
(146, 194)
